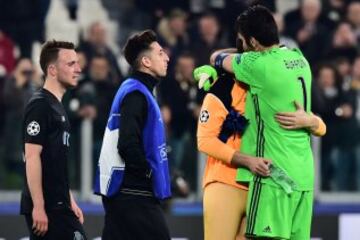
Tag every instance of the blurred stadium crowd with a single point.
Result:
(328, 33)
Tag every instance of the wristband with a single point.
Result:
(219, 60)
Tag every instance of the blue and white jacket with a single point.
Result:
(111, 167)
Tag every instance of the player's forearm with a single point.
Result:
(317, 127)
(34, 180)
(313, 123)
(215, 148)
(220, 51)
(240, 160)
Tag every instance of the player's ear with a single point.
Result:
(52, 70)
(254, 43)
(145, 61)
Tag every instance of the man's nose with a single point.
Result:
(78, 68)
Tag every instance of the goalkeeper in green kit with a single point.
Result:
(279, 206)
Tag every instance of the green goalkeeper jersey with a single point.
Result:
(276, 77)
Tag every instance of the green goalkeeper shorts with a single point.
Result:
(272, 213)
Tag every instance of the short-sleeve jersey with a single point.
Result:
(46, 123)
(276, 77)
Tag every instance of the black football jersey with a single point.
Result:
(46, 123)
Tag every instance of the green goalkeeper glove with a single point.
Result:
(206, 76)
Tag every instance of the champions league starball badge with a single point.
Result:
(204, 116)
(33, 128)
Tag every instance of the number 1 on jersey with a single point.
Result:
(302, 80)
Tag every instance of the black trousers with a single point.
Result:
(63, 225)
(130, 217)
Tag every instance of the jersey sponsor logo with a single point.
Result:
(33, 128)
(204, 116)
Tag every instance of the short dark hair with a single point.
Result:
(186, 54)
(50, 51)
(332, 67)
(258, 22)
(136, 45)
(210, 14)
(99, 56)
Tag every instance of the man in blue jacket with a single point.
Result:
(133, 173)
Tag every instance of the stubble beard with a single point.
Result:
(66, 84)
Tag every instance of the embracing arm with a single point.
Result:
(223, 59)
(213, 147)
(211, 119)
(212, 116)
(228, 60)
(319, 127)
(301, 119)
